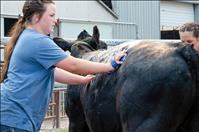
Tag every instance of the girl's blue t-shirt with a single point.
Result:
(26, 92)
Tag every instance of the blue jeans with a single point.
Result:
(4, 128)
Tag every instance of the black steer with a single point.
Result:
(155, 90)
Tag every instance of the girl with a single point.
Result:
(189, 33)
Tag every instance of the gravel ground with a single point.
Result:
(49, 125)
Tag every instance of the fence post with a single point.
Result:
(57, 108)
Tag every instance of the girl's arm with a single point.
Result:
(80, 66)
(66, 77)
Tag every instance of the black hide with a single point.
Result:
(155, 90)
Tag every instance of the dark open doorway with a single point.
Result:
(170, 34)
(8, 23)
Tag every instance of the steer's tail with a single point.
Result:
(191, 57)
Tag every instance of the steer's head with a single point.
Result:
(85, 43)
(94, 40)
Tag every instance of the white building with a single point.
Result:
(127, 19)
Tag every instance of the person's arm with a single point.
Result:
(80, 66)
(65, 77)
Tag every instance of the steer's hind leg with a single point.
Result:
(155, 108)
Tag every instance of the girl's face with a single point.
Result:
(188, 37)
(47, 21)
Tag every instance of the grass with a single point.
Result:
(62, 130)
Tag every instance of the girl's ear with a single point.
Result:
(35, 18)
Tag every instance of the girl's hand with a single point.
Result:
(118, 59)
(88, 79)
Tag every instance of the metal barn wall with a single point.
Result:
(196, 13)
(175, 14)
(145, 15)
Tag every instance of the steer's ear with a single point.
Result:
(96, 34)
(83, 34)
(79, 48)
(63, 44)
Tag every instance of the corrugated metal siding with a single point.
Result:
(196, 13)
(175, 14)
(145, 14)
